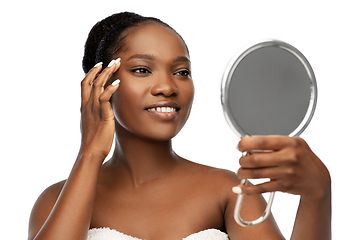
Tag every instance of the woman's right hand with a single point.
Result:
(97, 117)
(64, 210)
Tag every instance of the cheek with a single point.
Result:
(192, 91)
(188, 93)
(186, 97)
(130, 92)
(127, 102)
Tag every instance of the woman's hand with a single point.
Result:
(288, 162)
(64, 210)
(97, 117)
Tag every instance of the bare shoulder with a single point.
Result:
(221, 182)
(50, 194)
(215, 176)
(43, 207)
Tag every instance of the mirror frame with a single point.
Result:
(229, 71)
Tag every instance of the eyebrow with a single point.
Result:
(142, 56)
(181, 59)
(152, 58)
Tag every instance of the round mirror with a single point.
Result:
(269, 89)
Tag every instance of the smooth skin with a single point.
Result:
(146, 190)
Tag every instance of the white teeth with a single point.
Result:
(163, 109)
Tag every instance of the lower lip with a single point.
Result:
(162, 115)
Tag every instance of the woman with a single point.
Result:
(147, 191)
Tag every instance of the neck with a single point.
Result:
(142, 159)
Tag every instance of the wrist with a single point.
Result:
(321, 195)
(90, 155)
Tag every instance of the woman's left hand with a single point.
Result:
(288, 162)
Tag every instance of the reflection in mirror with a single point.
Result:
(268, 89)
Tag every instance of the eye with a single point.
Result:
(183, 73)
(141, 70)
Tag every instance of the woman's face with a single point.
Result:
(156, 91)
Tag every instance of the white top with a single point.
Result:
(111, 234)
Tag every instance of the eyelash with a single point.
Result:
(184, 73)
(142, 70)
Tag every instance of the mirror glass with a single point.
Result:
(269, 89)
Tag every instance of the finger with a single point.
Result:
(271, 186)
(86, 84)
(273, 143)
(99, 83)
(106, 111)
(260, 173)
(263, 159)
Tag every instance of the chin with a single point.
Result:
(159, 136)
(153, 133)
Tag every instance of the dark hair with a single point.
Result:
(107, 36)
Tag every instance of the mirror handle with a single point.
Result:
(238, 204)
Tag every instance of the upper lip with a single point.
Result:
(164, 104)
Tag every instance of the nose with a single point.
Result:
(165, 85)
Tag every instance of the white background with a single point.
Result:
(41, 53)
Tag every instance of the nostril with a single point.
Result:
(165, 89)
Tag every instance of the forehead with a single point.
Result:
(155, 39)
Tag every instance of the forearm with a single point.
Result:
(71, 214)
(313, 219)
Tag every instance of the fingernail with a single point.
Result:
(236, 190)
(116, 82)
(98, 64)
(117, 60)
(111, 63)
(241, 138)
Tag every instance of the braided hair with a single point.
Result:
(107, 36)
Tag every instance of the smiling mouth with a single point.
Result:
(163, 109)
